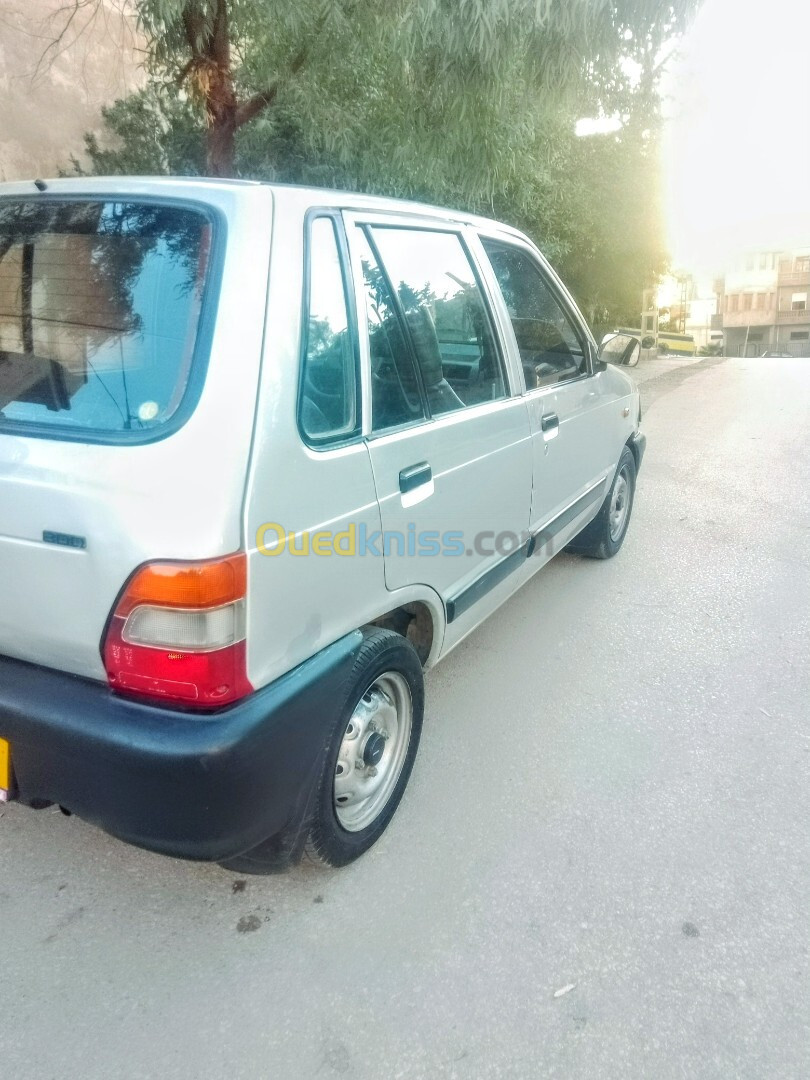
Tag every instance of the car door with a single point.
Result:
(570, 440)
(448, 436)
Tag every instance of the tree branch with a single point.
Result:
(255, 105)
(265, 98)
(219, 45)
(192, 24)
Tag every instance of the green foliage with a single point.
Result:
(467, 103)
(155, 131)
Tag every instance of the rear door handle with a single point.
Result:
(550, 426)
(414, 476)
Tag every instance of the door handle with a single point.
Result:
(550, 426)
(414, 476)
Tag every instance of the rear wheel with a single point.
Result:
(372, 750)
(368, 756)
(605, 534)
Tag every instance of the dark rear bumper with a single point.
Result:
(196, 786)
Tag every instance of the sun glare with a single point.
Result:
(736, 151)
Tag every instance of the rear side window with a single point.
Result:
(396, 397)
(99, 313)
(444, 312)
(328, 404)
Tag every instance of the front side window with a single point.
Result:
(328, 404)
(551, 350)
(100, 307)
(445, 316)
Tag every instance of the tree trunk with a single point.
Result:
(220, 142)
(220, 98)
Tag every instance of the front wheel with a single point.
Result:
(605, 534)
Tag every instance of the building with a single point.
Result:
(690, 306)
(764, 304)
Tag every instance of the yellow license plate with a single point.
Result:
(5, 770)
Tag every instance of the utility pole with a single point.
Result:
(682, 319)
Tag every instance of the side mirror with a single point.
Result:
(619, 349)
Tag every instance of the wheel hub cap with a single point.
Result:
(374, 748)
(372, 752)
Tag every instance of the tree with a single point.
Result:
(461, 63)
(472, 105)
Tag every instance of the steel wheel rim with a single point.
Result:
(619, 504)
(373, 751)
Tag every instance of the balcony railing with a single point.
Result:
(753, 317)
(794, 277)
(787, 315)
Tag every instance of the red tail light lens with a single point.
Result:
(178, 633)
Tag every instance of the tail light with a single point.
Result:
(178, 633)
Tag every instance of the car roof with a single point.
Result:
(203, 188)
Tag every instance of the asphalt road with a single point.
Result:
(600, 868)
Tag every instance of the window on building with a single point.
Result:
(800, 335)
(798, 301)
(755, 335)
(802, 264)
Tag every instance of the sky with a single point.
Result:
(737, 143)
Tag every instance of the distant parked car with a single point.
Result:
(779, 355)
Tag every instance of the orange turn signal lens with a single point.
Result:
(206, 584)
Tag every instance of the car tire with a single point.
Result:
(603, 537)
(387, 662)
(371, 750)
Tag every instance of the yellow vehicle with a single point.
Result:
(684, 344)
(645, 338)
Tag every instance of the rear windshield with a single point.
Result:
(99, 313)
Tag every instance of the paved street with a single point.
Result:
(601, 868)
